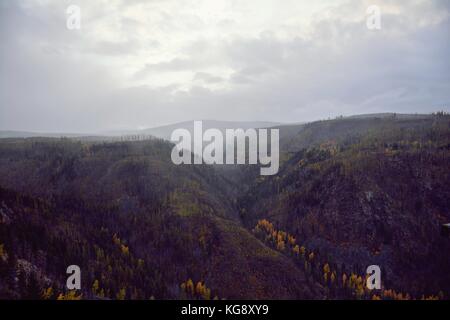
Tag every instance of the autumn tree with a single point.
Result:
(121, 294)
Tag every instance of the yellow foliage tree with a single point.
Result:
(121, 294)
(199, 288)
(95, 287)
(69, 295)
(206, 294)
(124, 250)
(302, 250)
(344, 279)
(333, 277)
(352, 281)
(291, 240)
(3, 254)
(359, 290)
(190, 286)
(281, 245)
(48, 293)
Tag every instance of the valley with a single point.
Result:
(350, 192)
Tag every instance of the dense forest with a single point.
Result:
(350, 192)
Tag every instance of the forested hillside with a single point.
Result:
(349, 193)
(366, 191)
(138, 226)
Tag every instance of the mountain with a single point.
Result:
(399, 116)
(296, 137)
(136, 224)
(365, 191)
(26, 134)
(164, 132)
(350, 192)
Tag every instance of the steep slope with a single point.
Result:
(293, 138)
(366, 191)
(137, 226)
(349, 193)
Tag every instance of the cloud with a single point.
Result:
(145, 63)
(205, 77)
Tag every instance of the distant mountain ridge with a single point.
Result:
(349, 193)
(30, 134)
(164, 132)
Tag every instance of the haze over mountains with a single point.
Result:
(164, 132)
(91, 92)
(350, 192)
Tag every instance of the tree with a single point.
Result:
(291, 240)
(70, 295)
(302, 250)
(344, 279)
(207, 294)
(3, 254)
(199, 288)
(95, 287)
(333, 277)
(47, 294)
(125, 250)
(121, 294)
(281, 245)
(190, 286)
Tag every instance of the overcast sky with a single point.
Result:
(137, 64)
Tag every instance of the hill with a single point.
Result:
(365, 191)
(137, 226)
(350, 192)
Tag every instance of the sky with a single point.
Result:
(137, 64)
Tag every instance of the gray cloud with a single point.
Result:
(207, 78)
(52, 79)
